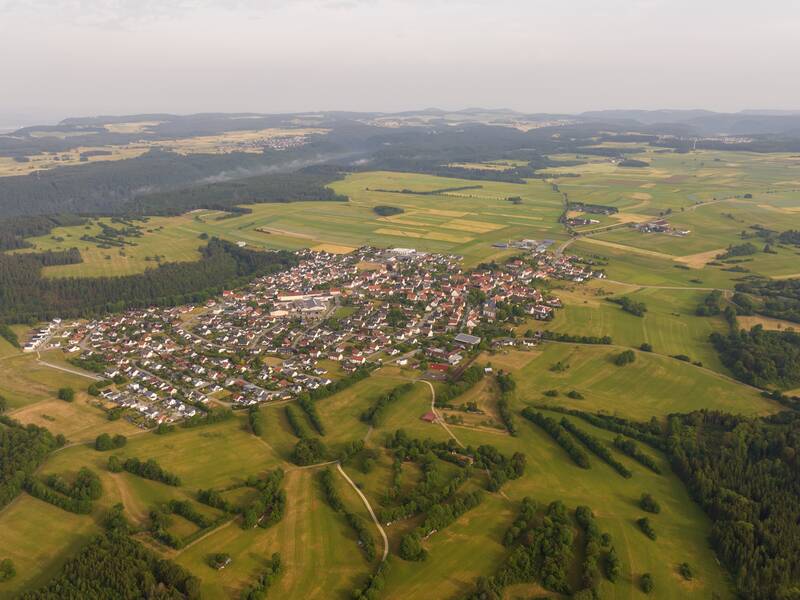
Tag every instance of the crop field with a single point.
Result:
(465, 223)
(704, 192)
(714, 195)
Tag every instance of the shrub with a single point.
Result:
(67, 394)
(686, 571)
(624, 358)
(646, 527)
(649, 504)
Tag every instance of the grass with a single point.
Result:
(682, 527)
(25, 382)
(78, 421)
(669, 324)
(651, 386)
(317, 550)
(39, 538)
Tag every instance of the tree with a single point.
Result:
(7, 570)
(3, 405)
(649, 504)
(686, 571)
(411, 548)
(646, 583)
(103, 442)
(624, 358)
(67, 394)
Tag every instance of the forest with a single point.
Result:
(27, 295)
(761, 358)
(744, 472)
(22, 450)
(777, 298)
(114, 565)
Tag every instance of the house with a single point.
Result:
(429, 417)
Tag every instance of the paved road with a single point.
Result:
(369, 508)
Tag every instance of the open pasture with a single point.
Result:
(670, 325)
(318, 549)
(25, 382)
(653, 385)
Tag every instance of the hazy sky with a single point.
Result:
(84, 57)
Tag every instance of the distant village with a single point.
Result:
(298, 330)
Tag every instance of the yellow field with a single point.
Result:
(79, 421)
(699, 260)
(471, 226)
(333, 248)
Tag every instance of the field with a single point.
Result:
(715, 195)
(669, 325)
(651, 386)
(701, 191)
(465, 223)
(317, 546)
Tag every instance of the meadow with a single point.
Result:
(670, 325)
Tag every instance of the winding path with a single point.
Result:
(369, 508)
(436, 414)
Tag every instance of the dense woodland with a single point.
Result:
(27, 295)
(746, 475)
(22, 450)
(761, 358)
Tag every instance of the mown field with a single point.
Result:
(461, 222)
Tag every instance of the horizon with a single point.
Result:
(111, 57)
(9, 123)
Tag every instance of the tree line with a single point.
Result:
(27, 295)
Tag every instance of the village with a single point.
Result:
(296, 331)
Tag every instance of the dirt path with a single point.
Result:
(131, 505)
(369, 509)
(660, 287)
(439, 418)
(314, 466)
(204, 536)
(66, 370)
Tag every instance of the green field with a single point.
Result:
(319, 550)
(651, 386)
(669, 325)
